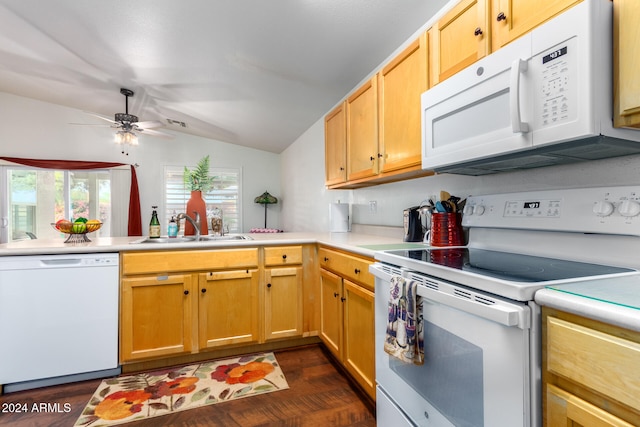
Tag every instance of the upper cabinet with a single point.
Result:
(400, 85)
(376, 132)
(458, 39)
(626, 38)
(512, 18)
(335, 131)
(362, 132)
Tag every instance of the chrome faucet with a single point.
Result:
(195, 223)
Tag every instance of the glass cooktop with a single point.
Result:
(508, 266)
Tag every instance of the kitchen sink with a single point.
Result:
(190, 239)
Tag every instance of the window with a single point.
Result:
(36, 198)
(224, 195)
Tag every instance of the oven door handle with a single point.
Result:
(507, 316)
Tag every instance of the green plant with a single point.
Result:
(198, 179)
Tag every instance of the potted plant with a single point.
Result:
(198, 181)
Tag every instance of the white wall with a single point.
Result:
(30, 128)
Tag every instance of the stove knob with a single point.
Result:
(478, 209)
(603, 208)
(467, 210)
(629, 208)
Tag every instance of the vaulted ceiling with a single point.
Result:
(252, 72)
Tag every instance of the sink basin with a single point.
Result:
(189, 239)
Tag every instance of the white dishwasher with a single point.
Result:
(58, 319)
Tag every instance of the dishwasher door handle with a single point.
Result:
(61, 262)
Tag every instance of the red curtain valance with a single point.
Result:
(135, 219)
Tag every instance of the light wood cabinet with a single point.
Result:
(511, 19)
(347, 313)
(589, 372)
(400, 86)
(283, 292)
(458, 39)
(362, 132)
(626, 63)
(228, 308)
(335, 146)
(156, 315)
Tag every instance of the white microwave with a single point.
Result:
(544, 99)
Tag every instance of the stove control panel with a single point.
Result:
(607, 210)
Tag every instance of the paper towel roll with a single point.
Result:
(338, 217)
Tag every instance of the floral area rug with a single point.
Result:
(150, 394)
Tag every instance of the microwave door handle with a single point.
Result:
(518, 67)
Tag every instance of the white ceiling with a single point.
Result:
(252, 72)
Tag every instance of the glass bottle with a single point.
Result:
(154, 225)
(216, 221)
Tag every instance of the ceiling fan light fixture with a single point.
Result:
(125, 137)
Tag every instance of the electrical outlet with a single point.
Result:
(373, 207)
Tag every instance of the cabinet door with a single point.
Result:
(358, 352)
(626, 62)
(335, 146)
(512, 18)
(156, 316)
(362, 132)
(565, 409)
(331, 311)
(401, 84)
(228, 308)
(458, 39)
(283, 302)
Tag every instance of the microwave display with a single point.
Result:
(554, 55)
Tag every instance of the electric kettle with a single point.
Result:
(412, 225)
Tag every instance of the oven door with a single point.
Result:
(477, 358)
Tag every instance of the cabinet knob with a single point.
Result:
(268, 285)
(335, 294)
(372, 158)
(326, 259)
(478, 31)
(357, 271)
(284, 256)
(186, 292)
(343, 299)
(380, 155)
(341, 168)
(501, 17)
(204, 290)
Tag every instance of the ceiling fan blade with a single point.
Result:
(101, 117)
(149, 124)
(152, 132)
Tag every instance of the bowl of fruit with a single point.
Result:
(77, 229)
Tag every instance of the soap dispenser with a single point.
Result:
(172, 230)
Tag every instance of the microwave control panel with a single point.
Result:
(557, 80)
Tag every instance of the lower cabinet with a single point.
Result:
(590, 372)
(347, 314)
(283, 303)
(156, 316)
(228, 310)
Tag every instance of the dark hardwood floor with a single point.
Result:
(319, 395)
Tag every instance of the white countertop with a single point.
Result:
(347, 241)
(579, 298)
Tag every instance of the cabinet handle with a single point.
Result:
(477, 32)
(380, 155)
(372, 158)
(186, 292)
(204, 290)
(341, 168)
(268, 285)
(501, 17)
(343, 299)
(335, 294)
(284, 256)
(326, 259)
(356, 271)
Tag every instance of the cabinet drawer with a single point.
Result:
(172, 261)
(348, 266)
(283, 255)
(595, 359)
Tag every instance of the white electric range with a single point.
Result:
(480, 323)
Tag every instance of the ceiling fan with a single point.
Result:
(128, 125)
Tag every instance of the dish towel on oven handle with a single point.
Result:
(404, 339)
